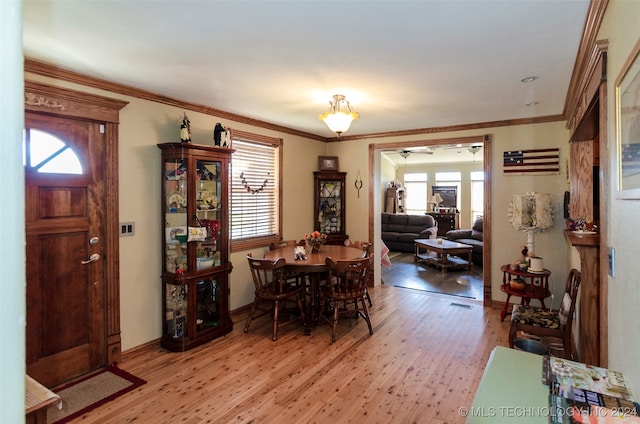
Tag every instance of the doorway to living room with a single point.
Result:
(377, 199)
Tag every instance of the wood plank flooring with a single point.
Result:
(423, 362)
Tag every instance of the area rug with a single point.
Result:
(85, 394)
(407, 274)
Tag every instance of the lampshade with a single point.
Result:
(340, 115)
(531, 213)
(436, 199)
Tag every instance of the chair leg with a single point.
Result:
(250, 317)
(365, 315)
(366, 294)
(300, 306)
(512, 335)
(275, 320)
(335, 321)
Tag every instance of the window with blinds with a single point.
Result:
(255, 190)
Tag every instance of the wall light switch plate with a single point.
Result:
(612, 261)
(127, 229)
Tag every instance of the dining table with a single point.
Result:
(314, 268)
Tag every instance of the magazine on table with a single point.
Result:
(565, 377)
(568, 411)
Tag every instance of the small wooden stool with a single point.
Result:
(37, 399)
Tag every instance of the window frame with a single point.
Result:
(237, 245)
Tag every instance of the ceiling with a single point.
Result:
(403, 65)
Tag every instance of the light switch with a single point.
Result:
(612, 261)
(127, 229)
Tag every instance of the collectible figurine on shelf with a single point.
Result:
(185, 129)
(218, 130)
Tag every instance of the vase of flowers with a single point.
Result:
(315, 240)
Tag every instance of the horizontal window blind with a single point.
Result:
(254, 189)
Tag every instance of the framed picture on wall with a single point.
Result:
(328, 163)
(628, 126)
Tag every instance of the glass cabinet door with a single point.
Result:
(208, 213)
(330, 206)
(176, 298)
(175, 215)
(208, 304)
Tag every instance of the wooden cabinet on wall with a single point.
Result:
(587, 124)
(329, 210)
(195, 244)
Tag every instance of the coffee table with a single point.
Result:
(437, 252)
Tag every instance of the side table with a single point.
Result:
(536, 286)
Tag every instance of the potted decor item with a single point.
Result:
(315, 240)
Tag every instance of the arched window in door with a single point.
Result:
(43, 152)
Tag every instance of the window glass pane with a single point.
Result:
(43, 145)
(49, 154)
(448, 176)
(416, 197)
(415, 185)
(477, 176)
(419, 176)
(64, 163)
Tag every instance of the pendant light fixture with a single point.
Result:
(340, 115)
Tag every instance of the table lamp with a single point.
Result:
(531, 213)
(436, 199)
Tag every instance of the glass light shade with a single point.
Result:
(339, 121)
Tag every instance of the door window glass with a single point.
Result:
(45, 153)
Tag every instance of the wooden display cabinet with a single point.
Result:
(195, 244)
(329, 205)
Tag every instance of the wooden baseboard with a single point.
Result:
(236, 316)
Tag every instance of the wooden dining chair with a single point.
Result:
(540, 322)
(270, 287)
(346, 286)
(290, 277)
(367, 247)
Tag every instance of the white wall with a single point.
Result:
(12, 249)
(620, 27)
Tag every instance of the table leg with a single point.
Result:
(503, 314)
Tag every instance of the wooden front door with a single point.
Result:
(66, 287)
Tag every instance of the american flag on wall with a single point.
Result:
(536, 161)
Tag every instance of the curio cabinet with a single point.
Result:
(329, 205)
(195, 244)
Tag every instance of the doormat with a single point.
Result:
(81, 396)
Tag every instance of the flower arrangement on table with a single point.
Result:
(315, 240)
(581, 225)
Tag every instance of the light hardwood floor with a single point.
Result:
(423, 362)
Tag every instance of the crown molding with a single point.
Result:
(47, 70)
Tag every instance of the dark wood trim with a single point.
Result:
(51, 71)
(452, 128)
(47, 70)
(50, 100)
(584, 58)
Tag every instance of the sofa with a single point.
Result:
(399, 231)
(472, 237)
